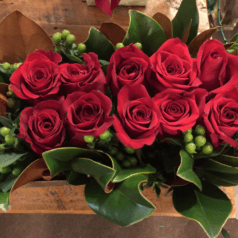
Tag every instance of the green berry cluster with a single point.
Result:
(67, 40)
(10, 68)
(126, 158)
(120, 45)
(13, 102)
(196, 141)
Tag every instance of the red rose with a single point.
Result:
(217, 69)
(173, 67)
(75, 77)
(179, 109)
(128, 66)
(87, 114)
(42, 125)
(221, 118)
(138, 120)
(37, 78)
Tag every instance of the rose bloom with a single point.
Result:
(179, 109)
(138, 120)
(217, 69)
(37, 78)
(128, 66)
(42, 125)
(75, 77)
(173, 67)
(87, 114)
(221, 118)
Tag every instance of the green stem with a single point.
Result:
(219, 21)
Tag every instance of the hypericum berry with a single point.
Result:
(17, 170)
(139, 45)
(4, 131)
(200, 130)
(105, 135)
(81, 47)
(70, 39)
(5, 170)
(6, 65)
(188, 137)
(113, 151)
(9, 88)
(207, 148)
(133, 161)
(10, 140)
(10, 102)
(65, 33)
(16, 65)
(200, 140)
(119, 45)
(130, 150)
(120, 156)
(126, 164)
(88, 139)
(190, 148)
(188, 131)
(57, 37)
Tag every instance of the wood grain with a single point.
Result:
(61, 198)
(76, 16)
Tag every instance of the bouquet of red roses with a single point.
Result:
(158, 108)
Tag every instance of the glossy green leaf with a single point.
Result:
(56, 166)
(221, 179)
(211, 5)
(72, 57)
(4, 200)
(145, 30)
(124, 206)
(99, 44)
(76, 179)
(9, 158)
(209, 207)
(234, 38)
(8, 183)
(69, 153)
(228, 160)
(187, 11)
(185, 170)
(6, 122)
(101, 173)
(215, 166)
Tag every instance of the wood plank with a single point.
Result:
(61, 198)
(72, 14)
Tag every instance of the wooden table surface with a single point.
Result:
(75, 15)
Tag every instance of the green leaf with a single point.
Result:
(56, 166)
(173, 141)
(211, 5)
(187, 11)
(72, 57)
(124, 206)
(221, 179)
(145, 30)
(8, 183)
(225, 233)
(209, 207)
(234, 38)
(228, 160)
(101, 173)
(157, 190)
(185, 170)
(76, 179)
(6, 122)
(99, 44)
(214, 166)
(9, 158)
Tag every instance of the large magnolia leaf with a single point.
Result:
(228, 160)
(125, 205)
(76, 179)
(185, 170)
(209, 207)
(20, 36)
(99, 44)
(187, 13)
(145, 30)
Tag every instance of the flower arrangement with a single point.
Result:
(156, 109)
